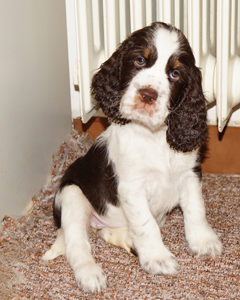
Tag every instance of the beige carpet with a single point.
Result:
(23, 275)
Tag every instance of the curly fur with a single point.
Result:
(106, 86)
(187, 118)
(187, 123)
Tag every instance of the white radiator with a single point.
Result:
(211, 26)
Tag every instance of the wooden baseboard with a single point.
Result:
(94, 127)
(222, 153)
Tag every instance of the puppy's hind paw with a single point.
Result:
(90, 277)
(58, 248)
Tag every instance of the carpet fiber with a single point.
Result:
(23, 275)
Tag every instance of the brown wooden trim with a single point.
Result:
(221, 156)
(223, 151)
(94, 127)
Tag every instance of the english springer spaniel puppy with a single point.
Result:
(146, 163)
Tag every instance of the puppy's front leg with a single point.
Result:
(153, 255)
(199, 234)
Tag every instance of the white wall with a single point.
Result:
(35, 113)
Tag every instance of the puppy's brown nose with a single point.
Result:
(148, 95)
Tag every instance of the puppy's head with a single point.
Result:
(151, 79)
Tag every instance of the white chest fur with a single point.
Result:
(146, 166)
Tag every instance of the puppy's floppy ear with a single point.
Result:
(187, 121)
(105, 86)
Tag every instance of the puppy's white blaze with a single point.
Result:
(166, 43)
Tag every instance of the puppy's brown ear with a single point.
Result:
(105, 86)
(187, 123)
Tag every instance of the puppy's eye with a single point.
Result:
(174, 75)
(140, 62)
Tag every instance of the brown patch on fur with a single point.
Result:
(147, 52)
(176, 64)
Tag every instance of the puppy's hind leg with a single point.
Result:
(58, 248)
(76, 210)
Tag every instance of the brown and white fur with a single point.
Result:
(146, 163)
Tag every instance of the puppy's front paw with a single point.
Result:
(90, 277)
(162, 264)
(205, 242)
